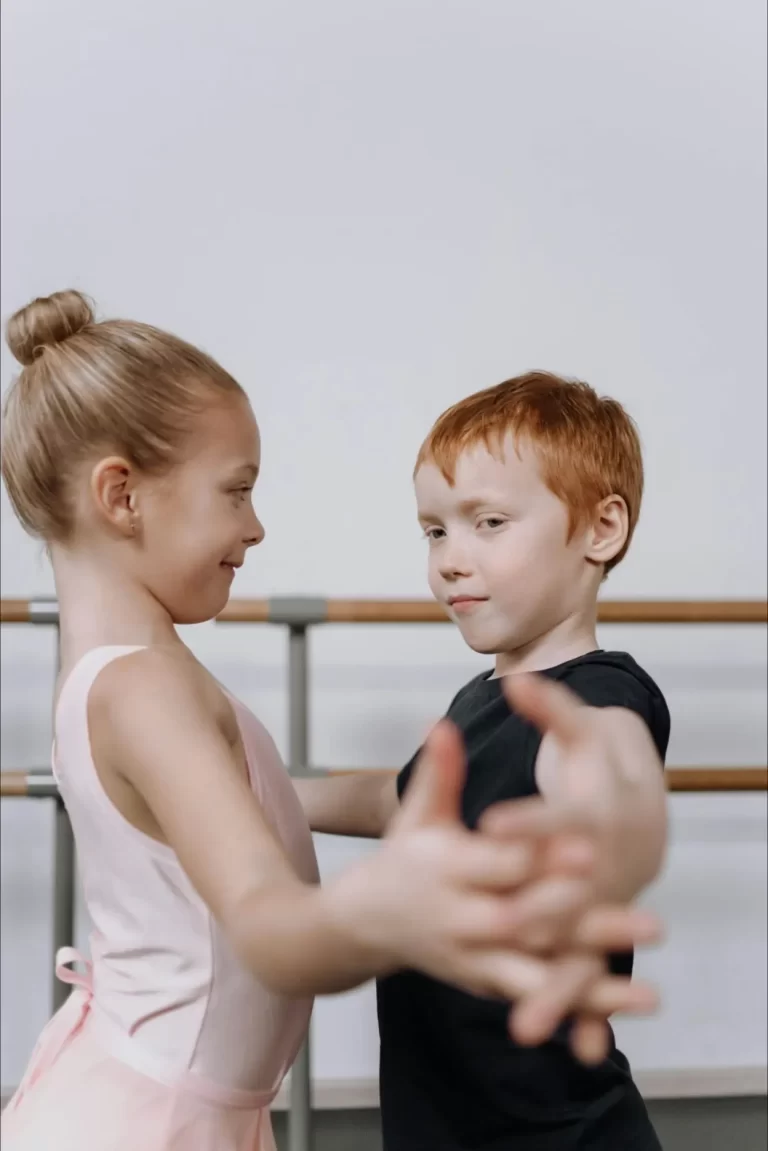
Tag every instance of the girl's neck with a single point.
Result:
(100, 606)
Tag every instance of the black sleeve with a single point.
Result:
(601, 685)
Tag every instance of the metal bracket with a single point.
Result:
(298, 611)
(41, 785)
(44, 609)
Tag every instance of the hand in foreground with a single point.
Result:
(560, 915)
(442, 899)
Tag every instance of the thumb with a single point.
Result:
(434, 793)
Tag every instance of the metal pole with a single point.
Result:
(300, 1112)
(63, 877)
(63, 894)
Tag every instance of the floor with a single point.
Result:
(682, 1125)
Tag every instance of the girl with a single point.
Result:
(134, 457)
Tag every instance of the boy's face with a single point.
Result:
(499, 555)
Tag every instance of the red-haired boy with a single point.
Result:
(528, 494)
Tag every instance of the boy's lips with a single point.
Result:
(459, 603)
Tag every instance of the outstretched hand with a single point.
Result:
(592, 763)
(443, 899)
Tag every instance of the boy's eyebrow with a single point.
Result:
(466, 507)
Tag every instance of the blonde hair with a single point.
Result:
(87, 387)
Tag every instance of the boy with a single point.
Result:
(528, 493)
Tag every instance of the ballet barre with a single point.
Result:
(309, 610)
(298, 614)
(42, 784)
(298, 610)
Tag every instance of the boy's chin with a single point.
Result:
(483, 645)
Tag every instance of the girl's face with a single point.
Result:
(197, 521)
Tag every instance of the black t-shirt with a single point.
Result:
(452, 1079)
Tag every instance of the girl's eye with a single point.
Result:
(241, 494)
(433, 534)
(492, 522)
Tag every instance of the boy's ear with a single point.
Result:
(609, 530)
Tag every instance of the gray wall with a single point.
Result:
(682, 1125)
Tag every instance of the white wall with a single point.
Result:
(366, 211)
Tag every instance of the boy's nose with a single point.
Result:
(454, 563)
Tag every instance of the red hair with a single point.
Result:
(587, 445)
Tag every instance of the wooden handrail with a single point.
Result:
(245, 611)
(14, 611)
(686, 779)
(14, 785)
(427, 611)
(24, 785)
(717, 778)
(375, 611)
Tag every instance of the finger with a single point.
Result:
(483, 862)
(568, 854)
(434, 794)
(616, 994)
(503, 973)
(481, 921)
(547, 910)
(534, 1019)
(534, 817)
(565, 841)
(575, 983)
(550, 706)
(478, 862)
(616, 929)
(590, 1040)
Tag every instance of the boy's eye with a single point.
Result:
(242, 493)
(491, 522)
(433, 534)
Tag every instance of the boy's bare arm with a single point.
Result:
(356, 803)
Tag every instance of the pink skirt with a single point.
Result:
(75, 1096)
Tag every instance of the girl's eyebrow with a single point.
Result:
(251, 470)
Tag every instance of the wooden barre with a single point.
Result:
(13, 784)
(687, 779)
(717, 778)
(372, 611)
(14, 611)
(26, 785)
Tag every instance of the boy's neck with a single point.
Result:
(571, 638)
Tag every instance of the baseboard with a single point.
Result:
(691, 1083)
(688, 1083)
(703, 1083)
